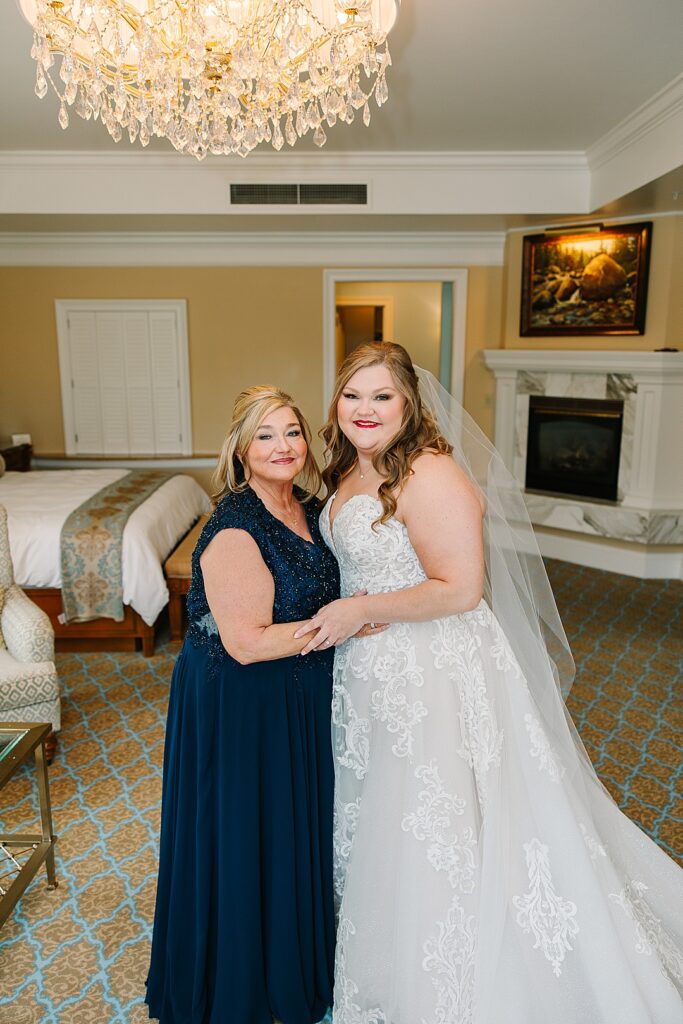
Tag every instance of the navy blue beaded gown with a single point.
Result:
(244, 926)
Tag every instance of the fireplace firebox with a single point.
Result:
(573, 446)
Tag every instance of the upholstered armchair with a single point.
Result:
(29, 685)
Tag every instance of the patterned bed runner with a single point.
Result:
(91, 544)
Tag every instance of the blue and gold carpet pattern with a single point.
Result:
(627, 702)
(79, 955)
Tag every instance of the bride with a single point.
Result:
(483, 874)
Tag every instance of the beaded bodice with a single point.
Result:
(305, 575)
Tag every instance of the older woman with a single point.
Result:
(244, 925)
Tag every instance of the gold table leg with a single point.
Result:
(46, 814)
(39, 846)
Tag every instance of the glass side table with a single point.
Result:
(21, 855)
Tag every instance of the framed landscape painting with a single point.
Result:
(586, 282)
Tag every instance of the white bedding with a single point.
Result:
(39, 502)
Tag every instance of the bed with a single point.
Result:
(38, 504)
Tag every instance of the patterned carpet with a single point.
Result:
(79, 955)
(627, 639)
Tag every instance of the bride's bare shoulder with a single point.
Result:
(431, 464)
(438, 474)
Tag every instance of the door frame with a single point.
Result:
(458, 278)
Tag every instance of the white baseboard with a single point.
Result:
(643, 562)
(163, 462)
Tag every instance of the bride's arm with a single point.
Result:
(443, 515)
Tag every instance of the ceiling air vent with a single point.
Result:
(338, 195)
(298, 195)
(264, 195)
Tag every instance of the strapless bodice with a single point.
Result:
(379, 558)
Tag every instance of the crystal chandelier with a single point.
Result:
(213, 76)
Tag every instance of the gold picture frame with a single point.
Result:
(586, 282)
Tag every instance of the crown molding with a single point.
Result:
(626, 218)
(293, 163)
(665, 104)
(251, 249)
(645, 145)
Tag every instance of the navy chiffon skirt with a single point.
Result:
(244, 925)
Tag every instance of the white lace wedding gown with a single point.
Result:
(483, 874)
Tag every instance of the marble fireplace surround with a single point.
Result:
(649, 509)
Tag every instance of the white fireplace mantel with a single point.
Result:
(650, 506)
(663, 365)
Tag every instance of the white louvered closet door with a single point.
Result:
(165, 382)
(124, 378)
(83, 394)
(112, 373)
(138, 382)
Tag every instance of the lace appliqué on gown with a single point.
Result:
(550, 918)
(450, 952)
(650, 936)
(397, 669)
(595, 847)
(541, 749)
(433, 821)
(450, 957)
(346, 990)
(352, 745)
(458, 647)
(345, 821)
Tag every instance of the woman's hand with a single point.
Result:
(370, 629)
(336, 622)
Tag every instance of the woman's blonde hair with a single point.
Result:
(418, 430)
(251, 408)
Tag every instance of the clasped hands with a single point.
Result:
(336, 622)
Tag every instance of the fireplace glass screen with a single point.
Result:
(573, 446)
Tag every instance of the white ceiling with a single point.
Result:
(467, 75)
(484, 76)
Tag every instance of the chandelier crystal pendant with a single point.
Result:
(213, 76)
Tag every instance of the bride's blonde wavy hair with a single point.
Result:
(251, 408)
(418, 431)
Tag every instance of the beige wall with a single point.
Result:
(484, 323)
(664, 321)
(675, 321)
(417, 314)
(249, 325)
(245, 326)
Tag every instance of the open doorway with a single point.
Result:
(361, 317)
(424, 310)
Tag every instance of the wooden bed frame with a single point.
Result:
(98, 635)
